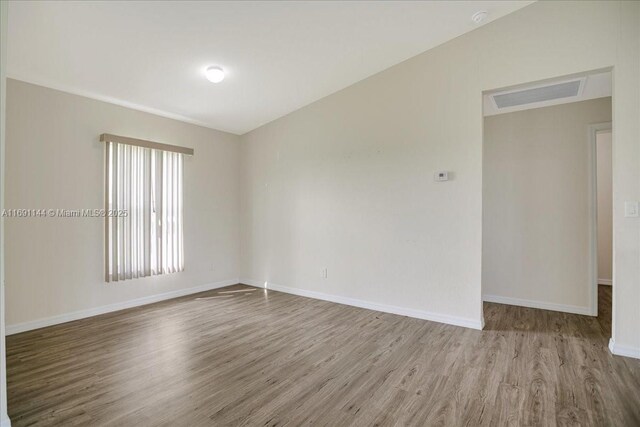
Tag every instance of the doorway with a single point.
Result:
(540, 209)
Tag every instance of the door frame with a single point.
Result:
(593, 212)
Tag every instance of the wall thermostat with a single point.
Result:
(441, 176)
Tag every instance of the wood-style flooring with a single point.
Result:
(246, 356)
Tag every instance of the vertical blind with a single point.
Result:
(144, 229)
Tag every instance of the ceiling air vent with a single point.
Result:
(538, 94)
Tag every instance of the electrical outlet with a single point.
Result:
(631, 209)
(441, 176)
(324, 273)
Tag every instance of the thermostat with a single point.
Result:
(441, 176)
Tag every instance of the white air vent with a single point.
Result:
(538, 94)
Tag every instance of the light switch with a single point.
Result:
(631, 209)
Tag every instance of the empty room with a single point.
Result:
(334, 213)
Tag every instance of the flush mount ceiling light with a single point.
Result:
(479, 16)
(214, 74)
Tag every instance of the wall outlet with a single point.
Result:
(324, 273)
(631, 209)
(441, 176)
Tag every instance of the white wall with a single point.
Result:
(346, 183)
(605, 208)
(537, 206)
(4, 9)
(55, 266)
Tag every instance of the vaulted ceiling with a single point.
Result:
(278, 56)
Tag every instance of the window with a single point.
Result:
(144, 221)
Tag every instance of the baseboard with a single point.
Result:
(254, 283)
(604, 282)
(82, 314)
(622, 350)
(418, 314)
(574, 309)
(5, 421)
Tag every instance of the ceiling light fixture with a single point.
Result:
(479, 16)
(214, 74)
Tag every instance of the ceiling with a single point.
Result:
(279, 56)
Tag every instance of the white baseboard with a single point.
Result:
(418, 314)
(623, 350)
(604, 282)
(5, 421)
(76, 315)
(574, 309)
(254, 283)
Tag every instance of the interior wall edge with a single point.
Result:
(83, 314)
(464, 322)
(624, 350)
(120, 103)
(4, 20)
(543, 305)
(5, 421)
